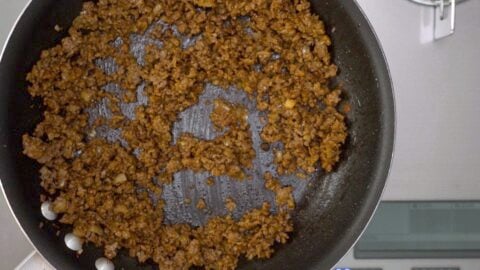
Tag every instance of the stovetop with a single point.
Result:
(437, 92)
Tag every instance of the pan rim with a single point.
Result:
(389, 159)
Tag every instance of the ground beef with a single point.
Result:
(201, 204)
(227, 154)
(230, 204)
(274, 50)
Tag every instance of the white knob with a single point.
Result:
(73, 242)
(47, 211)
(104, 264)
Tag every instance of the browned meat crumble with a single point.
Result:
(275, 50)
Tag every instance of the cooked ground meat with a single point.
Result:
(230, 204)
(283, 194)
(225, 155)
(210, 181)
(274, 50)
(201, 204)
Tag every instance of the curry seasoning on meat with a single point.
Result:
(274, 50)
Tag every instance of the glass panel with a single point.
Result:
(422, 230)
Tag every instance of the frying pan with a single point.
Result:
(331, 213)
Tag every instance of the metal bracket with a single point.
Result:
(444, 16)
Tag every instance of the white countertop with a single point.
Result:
(437, 91)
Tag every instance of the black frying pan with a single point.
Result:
(325, 228)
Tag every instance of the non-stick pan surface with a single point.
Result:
(331, 213)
